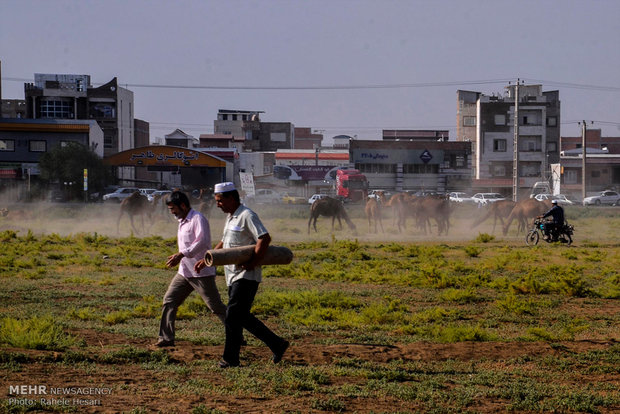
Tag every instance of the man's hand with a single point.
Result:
(200, 264)
(174, 259)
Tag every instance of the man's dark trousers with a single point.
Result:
(240, 298)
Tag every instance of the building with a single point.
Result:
(179, 138)
(13, 108)
(308, 171)
(488, 122)
(23, 141)
(602, 163)
(415, 134)
(257, 135)
(221, 141)
(306, 139)
(413, 164)
(54, 96)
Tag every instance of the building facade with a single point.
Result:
(54, 96)
(489, 123)
(413, 165)
(257, 135)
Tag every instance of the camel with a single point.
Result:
(524, 211)
(401, 204)
(498, 209)
(373, 210)
(329, 207)
(437, 208)
(135, 204)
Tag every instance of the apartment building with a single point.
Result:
(488, 122)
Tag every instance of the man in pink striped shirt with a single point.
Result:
(194, 239)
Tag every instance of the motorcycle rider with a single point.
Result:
(553, 227)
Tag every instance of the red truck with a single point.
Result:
(351, 185)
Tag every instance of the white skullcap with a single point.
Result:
(554, 201)
(224, 187)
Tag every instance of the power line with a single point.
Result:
(354, 87)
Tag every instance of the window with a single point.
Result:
(499, 170)
(500, 119)
(421, 168)
(56, 109)
(376, 168)
(460, 161)
(108, 141)
(37, 146)
(7, 145)
(65, 143)
(529, 169)
(552, 147)
(570, 176)
(234, 117)
(552, 121)
(224, 117)
(596, 174)
(530, 143)
(103, 111)
(499, 145)
(469, 121)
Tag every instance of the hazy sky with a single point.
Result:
(342, 66)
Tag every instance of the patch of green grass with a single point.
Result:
(35, 333)
(484, 238)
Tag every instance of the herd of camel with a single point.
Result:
(422, 210)
(425, 210)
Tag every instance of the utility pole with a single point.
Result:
(583, 159)
(515, 146)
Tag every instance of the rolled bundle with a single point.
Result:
(238, 255)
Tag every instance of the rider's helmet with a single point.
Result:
(554, 201)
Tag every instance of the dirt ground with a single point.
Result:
(131, 385)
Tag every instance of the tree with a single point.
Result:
(66, 164)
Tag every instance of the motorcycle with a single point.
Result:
(540, 230)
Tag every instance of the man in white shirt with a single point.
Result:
(194, 239)
(242, 228)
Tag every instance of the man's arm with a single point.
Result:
(260, 249)
(201, 264)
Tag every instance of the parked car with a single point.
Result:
(147, 191)
(560, 197)
(292, 199)
(120, 194)
(315, 197)
(375, 194)
(605, 197)
(460, 197)
(485, 198)
(161, 193)
(264, 196)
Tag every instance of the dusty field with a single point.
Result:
(325, 370)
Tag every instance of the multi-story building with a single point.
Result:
(54, 96)
(488, 122)
(257, 135)
(602, 163)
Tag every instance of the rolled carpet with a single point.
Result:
(237, 255)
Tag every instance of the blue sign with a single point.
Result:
(426, 156)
